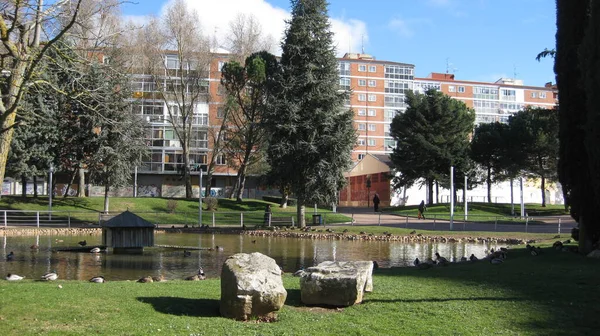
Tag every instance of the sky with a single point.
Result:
(477, 40)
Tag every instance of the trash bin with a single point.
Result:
(317, 220)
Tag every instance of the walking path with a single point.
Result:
(549, 224)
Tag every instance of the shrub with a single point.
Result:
(211, 203)
(172, 205)
(277, 199)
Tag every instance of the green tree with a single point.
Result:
(432, 135)
(311, 135)
(537, 129)
(488, 149)
(247, 87)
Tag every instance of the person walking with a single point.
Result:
(376, 202)
(422, 210)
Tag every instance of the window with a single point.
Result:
(172, 62)
(372, 83)
(361, 156)
(390, 144)
(362, 97)
(105, 60)
(394, 101)
(361, 127)
(372, 127)
(221, 160)
(543, 95)
(362, 113)
(372, 113)
(221, 112)
(534, 95)
(344, 68)
(372, 68)
(372, 142)
(372, 98)
(396, 86)
(485, 92)
(360, 142)
(362, 68)
(399, 72)
(461, 89)
(221, 63)
(451, 88)
(345, 83)
(362, 82)
(220, 90)
(506, 94)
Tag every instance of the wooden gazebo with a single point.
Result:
(127, 233)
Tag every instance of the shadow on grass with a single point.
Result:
(491, 299)
(183, 306)
(293, 298)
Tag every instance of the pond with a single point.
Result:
(291, 254)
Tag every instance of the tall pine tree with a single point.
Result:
(311, 134)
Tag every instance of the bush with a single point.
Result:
(211, 203)
(172, 205)
(277, 199)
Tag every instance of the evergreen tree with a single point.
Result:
(432, 135)
(537, 131)
(311, 134)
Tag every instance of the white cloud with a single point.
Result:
(407, 27)
(216, 15)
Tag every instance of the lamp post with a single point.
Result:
(50, 190)
(200, 198)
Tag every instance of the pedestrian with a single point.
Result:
(267, 214)
(422, 209)
(376, 202)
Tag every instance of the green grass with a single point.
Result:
(554, 293)
(157, 211)
(481, 212)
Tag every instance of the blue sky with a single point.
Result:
(480, 40)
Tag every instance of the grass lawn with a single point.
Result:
(555, 293)
(481, 212)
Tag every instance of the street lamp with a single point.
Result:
(200, 198)
(50, 171)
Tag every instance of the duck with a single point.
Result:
(187, 253)
(416, 262)
(219, 248)
(10, 256)
(197, 277)
(254, 241)
(413, 232)
(440, 259)
(496, 261)
(473, 257)
(95, 250)
(463, 259)
(34, 247)
(50, 276)
(14, 277)
(375, 265)
(145, 279)
(160, 278)
(82, 243)
(98, 279)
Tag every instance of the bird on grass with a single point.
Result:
(473, 257)
(197, 277)
(82, 243)
(145, 279)
(440, 259)
(375, 265)
(187, 253)
(14, 277)
(159, 278)
(95, 250)
(10, 256)
(98, 279)
(416, 262)
(50, 276)
(463, 259)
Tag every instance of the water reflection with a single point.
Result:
(290, 254)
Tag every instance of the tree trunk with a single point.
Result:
(586, 242)
(23, 186)
(71, 180)
(186, 173)
(35, 194)
(300, 212)
(209, 177)
(106, 189)
(233, 189)
(437, 192)
(284, 200)
(5, 140)
(429, 192)
(81, 185)
(512, 200)
(241, 177)
(543, 191)
(488, 181)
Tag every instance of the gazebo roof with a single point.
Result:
(127, 219)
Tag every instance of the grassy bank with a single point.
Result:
(554, 293)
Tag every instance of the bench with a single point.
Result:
(282, 221)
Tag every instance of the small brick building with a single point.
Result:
(370, 175)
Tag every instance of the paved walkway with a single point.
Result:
(550, 224)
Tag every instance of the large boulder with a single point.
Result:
(334, 283)
(251, 286)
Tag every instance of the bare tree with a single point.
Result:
(245, 37)
(23, 24)
(177, 59)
